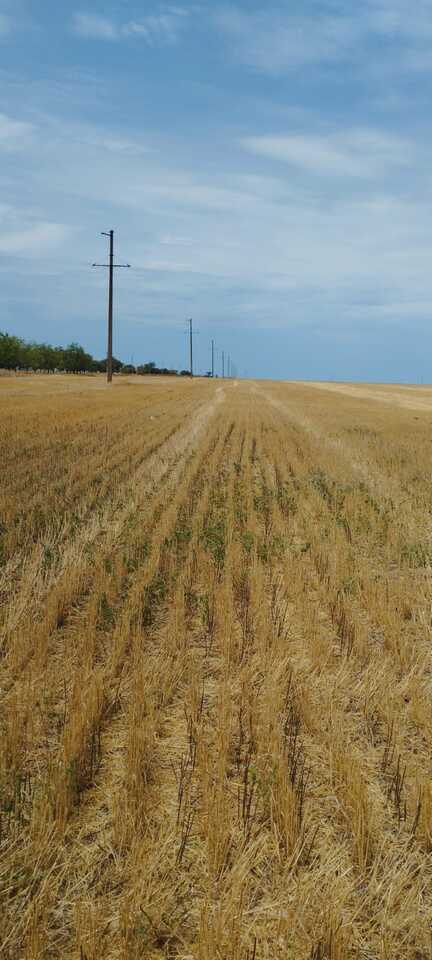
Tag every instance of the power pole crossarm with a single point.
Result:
(111, 267)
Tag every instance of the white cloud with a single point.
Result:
(399, 18)
(124, 146)
(231, 234)
(85, 134)
(94, 27)
(155, 29)
(237, 226)
(274, 42)
(14, 134)
(277, 41)
(403, 309)
(5, 25)
(163, 28)
(354, 153)
(176, 241)
(33, 239)
(106, 141)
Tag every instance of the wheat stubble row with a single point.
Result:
(216, 676)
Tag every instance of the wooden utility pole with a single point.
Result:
(191, 346)
(110, 307)
(212, 358)
(191, 334)
(111, 267)
(223, 364)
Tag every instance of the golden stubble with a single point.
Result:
(215, 677)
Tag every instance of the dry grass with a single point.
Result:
(215, 673)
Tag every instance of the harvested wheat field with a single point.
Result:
(215, 674)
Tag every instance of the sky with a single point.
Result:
(266, 169)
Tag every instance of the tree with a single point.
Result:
(76, 359)
(17, 353)
(146, 368)
(101, 365)
(11, 350)
(98, 366)
(42, 356)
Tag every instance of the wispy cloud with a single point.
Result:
(14, 134)
(399, 18)
(276, 41)
(354, 153)
(176, 241)
(236, 226)
(273, 42)
(94, 27)
(106, 140)
(33, 239)
(5, 25)
(162, 28)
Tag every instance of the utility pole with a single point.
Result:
(212, 358)
(191, 334)
(191, 346)
(223, 363)
(229, 366)
(111, 267)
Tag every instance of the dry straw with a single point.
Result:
(215, 676)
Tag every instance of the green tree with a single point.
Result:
(101, 365)
(11, 351)
(76, 359)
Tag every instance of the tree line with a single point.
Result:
(18, 354)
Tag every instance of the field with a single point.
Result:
(215, 672)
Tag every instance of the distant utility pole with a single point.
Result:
(191, 346)
(229, 366)
(212, 358)
(223, 363)
(111, 266)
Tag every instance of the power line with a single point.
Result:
(111, 267)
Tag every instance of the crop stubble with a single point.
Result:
(215, 674)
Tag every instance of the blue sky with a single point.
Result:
(267, 169)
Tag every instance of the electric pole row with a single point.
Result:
(228, 368)
(111, 266)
